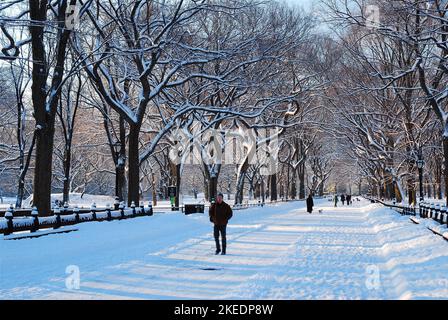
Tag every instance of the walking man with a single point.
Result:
(336, 200)
(220, 214)
(309, 203)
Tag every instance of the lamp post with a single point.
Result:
(420, 164)
(118, 182)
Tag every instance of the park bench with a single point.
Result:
(193, 208)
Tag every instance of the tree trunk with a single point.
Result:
(438, 179)
(45, 109)
(445, 154)
(386, 190)
(257, 191)
(239, 188)
(394, 193)
(294, 185)
(293, 189)
(251, 190)
(21, 142)
(120, 177)
(134, 165)
(273, 188)
(390, 187)
(321, 189)
(412, 194)
(21, 182)
(397, 193)
(213, 187)
(263, 195)
(43, 170)
(206, 191)
(302, 181)
(20, 191)
(120, 180)
(240, 182)
(67, 165)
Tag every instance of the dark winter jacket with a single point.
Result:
(220, 214)
(309, 204)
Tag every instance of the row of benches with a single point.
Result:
(61, 218)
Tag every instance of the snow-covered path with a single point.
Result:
(278, 252)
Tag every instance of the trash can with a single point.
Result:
(193, 208)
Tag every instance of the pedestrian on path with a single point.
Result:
(336, 199)
(349, 199)
(309, 203)
(220, 214)
(342, 198)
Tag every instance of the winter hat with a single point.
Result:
(220, 194)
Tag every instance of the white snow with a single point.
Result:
(5, 202)
(81, 200)
(275, 252)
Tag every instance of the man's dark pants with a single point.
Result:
(216, 231)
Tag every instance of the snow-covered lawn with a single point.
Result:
(277, 252)
(6, 201)
(86, 200)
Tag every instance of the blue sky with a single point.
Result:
(305, 3)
